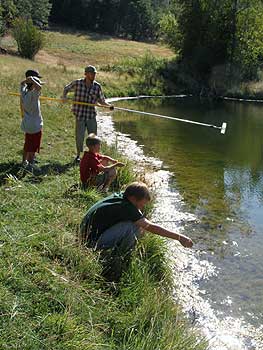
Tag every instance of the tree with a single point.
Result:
(131, 18)
(198, 32)
(8, 12)
(11, 9)
(28, 37)
(169, 30)
(210, 33)
(39, 12)
(248, 50)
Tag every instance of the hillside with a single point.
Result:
(70, 52)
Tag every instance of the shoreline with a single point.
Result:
(237, 99)
(151, 170)
(221, 334)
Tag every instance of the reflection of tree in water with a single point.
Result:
(245, 150)
(211, 171)
(201, 186)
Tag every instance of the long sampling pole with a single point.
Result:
(70, 101)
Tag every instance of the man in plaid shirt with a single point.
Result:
(89, 91)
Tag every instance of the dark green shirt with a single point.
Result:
(107, 213)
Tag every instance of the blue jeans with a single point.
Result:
(122, 236)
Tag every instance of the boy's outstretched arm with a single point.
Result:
(159, 230)
(109, 159)
(112, 166)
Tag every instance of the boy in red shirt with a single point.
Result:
(94, 167)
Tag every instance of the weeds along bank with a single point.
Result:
(52, 292)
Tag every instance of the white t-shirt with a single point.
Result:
(32, 121)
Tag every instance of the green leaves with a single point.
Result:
(11, 9)
(208, 36)
(136, 19)
(249, 37)
(28, 37)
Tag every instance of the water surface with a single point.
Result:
(219, 181)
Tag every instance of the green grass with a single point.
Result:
(69, 52)
(85, 47)
(52, 291)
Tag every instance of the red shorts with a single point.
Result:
(32, 142)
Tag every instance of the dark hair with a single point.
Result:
(93, 140)
(138, 190)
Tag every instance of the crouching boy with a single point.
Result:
(96, 169)
(116, 222)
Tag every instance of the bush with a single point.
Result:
(28, 37)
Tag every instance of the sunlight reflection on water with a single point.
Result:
(189, 266)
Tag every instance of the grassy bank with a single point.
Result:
(53, 294)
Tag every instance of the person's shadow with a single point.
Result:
(35, 174)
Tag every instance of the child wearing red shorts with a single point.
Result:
(32, 122)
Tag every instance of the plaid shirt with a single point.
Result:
(83, 93)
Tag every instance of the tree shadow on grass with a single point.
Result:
(35, 175)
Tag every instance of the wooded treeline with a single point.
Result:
(137, 19)
(38, 11)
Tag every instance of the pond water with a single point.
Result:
(214, 194)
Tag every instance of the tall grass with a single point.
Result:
(146, 70)
(52, 291)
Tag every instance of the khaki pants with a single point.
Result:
(83, 124)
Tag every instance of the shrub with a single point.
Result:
(28, 37)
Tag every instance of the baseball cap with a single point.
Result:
(90, 69)
(33, 73)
